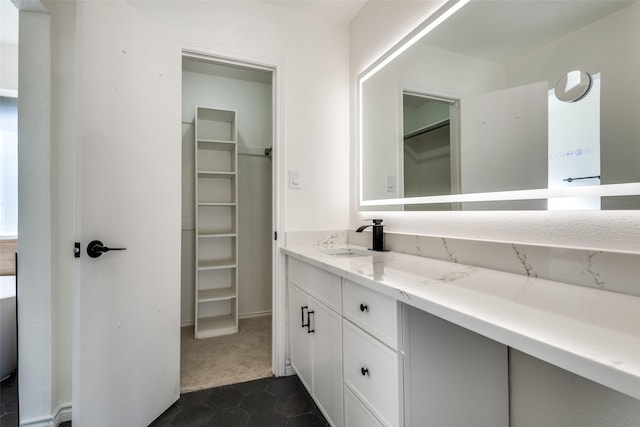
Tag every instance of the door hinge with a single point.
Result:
(275, 235)
(76, 249)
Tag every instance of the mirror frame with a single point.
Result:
(432, 21)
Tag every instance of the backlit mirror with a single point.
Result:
(506, 104)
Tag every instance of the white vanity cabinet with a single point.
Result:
(453, 377)
(356, 414)
(315, 332)
(373, 363)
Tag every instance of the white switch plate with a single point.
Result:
(391, 183)
(294, 179)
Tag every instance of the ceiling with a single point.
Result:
(341, 11)
(500, 30)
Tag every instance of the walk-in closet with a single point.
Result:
(227, 227)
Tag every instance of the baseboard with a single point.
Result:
(62, 415)
(288, 369)
(38, 422)
(254, 314)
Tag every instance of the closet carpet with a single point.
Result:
(229, 359)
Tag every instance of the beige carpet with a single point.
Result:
(229, 359)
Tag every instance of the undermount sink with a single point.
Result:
(347, 253)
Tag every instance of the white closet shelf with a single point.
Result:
(216, 166)
(218, 144)
(222, 294)
(217, 174)
(215, 326)
(206, 234)
(216, 203)
(216, 265)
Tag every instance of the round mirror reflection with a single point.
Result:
(573, 86)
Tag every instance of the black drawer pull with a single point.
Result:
(302, 309)
(309, 330)
(364, 307)
(364, 371)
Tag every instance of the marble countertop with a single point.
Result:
(591, 332)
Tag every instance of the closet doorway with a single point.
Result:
(227, 235)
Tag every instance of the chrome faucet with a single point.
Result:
(378, 234)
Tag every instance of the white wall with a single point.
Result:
(314, 58)
(9, 67)
(35, 297)
(504, 147)
(606, 230)
(63, 202)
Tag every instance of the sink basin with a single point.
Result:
(347, 253)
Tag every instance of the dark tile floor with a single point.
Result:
(269, 402)
(9, 402)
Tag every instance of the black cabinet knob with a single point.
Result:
(364, 371)
(364, 307)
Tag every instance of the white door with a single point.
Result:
(127, 333)
(574, 147)
(503, 141)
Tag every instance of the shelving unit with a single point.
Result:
(216, 214)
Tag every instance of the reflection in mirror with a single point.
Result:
(574, 142)
(502, 59)
(573, 86)
(428, 164)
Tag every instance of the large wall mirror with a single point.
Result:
(506, 104)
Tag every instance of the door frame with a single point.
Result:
(275, 65)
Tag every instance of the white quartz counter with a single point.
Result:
(590, 332)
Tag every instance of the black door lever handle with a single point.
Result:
(96, 248)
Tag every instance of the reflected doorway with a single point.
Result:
(430, 160)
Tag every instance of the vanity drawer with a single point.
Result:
(374, 312)
(322, 285)
(355, 413)
(372, 372)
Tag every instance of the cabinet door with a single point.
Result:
(372, 371)
(300, 339)
(372, 311)
(327, 363)
(318, 283)
(356, 414)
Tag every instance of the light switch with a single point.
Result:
(294, 179)
(391, 183)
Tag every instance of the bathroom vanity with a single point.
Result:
(389, 339)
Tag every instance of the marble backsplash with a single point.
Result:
(316, 239)
(611, 271)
